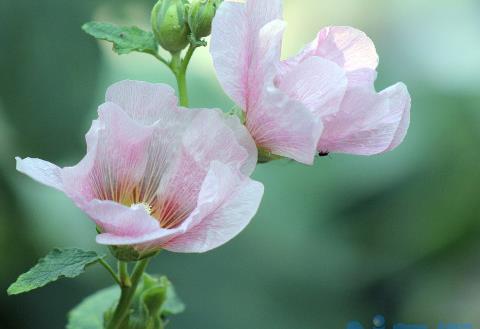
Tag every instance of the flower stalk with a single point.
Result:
(128, 287)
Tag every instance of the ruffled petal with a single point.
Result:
(144, 102)
(245, 140)
(226, 204)
(368, 123)
(120, 220)
(317, 83)
(245, 47)
(350, 48)
(42, 171)
(207, 139)
(284, 126)
(115, 159)
(122, 226)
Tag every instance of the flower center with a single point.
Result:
(143, 205)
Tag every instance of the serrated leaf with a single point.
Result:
(124, 39)
(59, 263)
(89, 314)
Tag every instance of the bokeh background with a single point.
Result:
(396, 234)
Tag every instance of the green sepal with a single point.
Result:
(200, 16)
(265, 156)
(59, 263)
(169, 24)
(125, 39)
(129, 254)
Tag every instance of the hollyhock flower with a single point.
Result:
(321, 100)
(157, 176)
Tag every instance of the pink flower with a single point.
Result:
(157, 176)
(322, 100)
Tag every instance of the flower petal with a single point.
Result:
(42, 171)
(316, 82)
(116, 157)
(144, 102)
(245, 140)
(119, 220)
(226, 204)
(350, 48)
(244, 45)
(368, 123)
(207, 139)
(284, 126)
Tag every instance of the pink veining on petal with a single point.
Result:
(348, 47)
(380, 122)
(146, 162)
(245, 46)
(329, 85)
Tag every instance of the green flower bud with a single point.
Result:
(169, 24)
(200, 16)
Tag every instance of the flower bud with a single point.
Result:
(200, 16)
(169, 24)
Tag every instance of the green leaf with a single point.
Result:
(59, 263)
(172, 305)
(89, 314)
(125, 39)
(154, 300)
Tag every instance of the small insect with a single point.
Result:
(323, 153)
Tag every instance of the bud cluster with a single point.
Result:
(176, 23)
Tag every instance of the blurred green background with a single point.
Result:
(396, 234)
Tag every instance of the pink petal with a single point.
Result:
(368, 123)
(245, 45)
(244, 139)
(121, 220)
(207, 139)
(144, 102)
(350, 48)
(117, 148)
(318, 83)
(399, 98)
(127, 226)
(42, 171)
(226, 204)
(144, 170)
(284, 126)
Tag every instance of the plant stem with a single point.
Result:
(181, 76)
(110, 270)
(127, 292)
(182, 89)
(123, 274)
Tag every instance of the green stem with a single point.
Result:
(188, 57)
(179, 68)
(182, 88)
(127, 292)
(123, 274)
(110, 270)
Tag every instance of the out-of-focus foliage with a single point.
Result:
(155, 301)
(348, 238)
